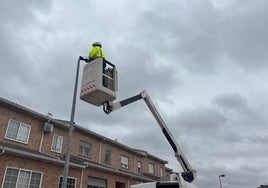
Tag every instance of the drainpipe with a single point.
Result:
(134, 162)
(100, 150)
(82, 176)
(128, 183)
(164, 173)
(49, 116)
(41, 141)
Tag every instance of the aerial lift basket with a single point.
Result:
(98, 85)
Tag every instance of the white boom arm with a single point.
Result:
(189, 173)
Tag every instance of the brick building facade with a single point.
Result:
(32, 154)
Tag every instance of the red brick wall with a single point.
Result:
(48, 138)
(35, 133)
(51, 172)
(95, 145)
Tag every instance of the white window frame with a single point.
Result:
(61, 178)
(151, 168)
(139, 167)
(124, 162)
(108, 156)
(161, 172)
(58, 147)
(85, 146)
(19, 135)
(20, 176)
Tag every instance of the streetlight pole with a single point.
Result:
(70, 133)
(222, 175)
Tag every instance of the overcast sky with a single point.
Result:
(203, 63)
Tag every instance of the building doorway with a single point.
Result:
(120, 185)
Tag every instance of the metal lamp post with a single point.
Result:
(70, 133)
(221, 176)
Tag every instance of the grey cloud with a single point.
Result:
(156, 46)
(22, 13)
(14, 19)
(192, 45)
(246, 176)
(205, 119)
(200, 42)
(235, 107)
(231, 101)
(141, 70)
(243, 32)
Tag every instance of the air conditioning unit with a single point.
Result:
(48, 128)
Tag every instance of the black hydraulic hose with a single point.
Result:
(107, 107)
(173, 145)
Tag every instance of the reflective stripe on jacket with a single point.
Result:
(95, 52)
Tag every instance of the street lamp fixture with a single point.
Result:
(70, 133)
(108, 96)
(221, 176)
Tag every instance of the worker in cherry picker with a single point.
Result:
(95, 52)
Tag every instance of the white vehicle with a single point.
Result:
(166, 184)
(182, 180)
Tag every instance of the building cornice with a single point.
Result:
(117, 171)
(37, 156)
(19, 108)
(63, 124)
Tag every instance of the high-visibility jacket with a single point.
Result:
(95, 52)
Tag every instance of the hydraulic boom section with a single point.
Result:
(189, 173)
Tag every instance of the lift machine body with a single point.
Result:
(99, 87)
(184, 179)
